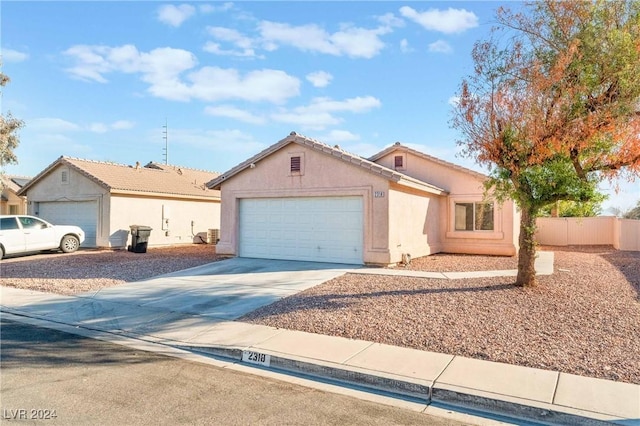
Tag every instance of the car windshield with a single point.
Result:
(32, 223)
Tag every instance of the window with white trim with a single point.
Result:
(474, 217)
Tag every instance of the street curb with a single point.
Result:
(513, 409)
(393, 385)
(402, 387)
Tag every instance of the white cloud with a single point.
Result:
(350, 41)
(267, 85)
(159, 67)
(320, 113)
(225, 140)
(209, 8)
(390, 20)
(448, 21)
(229, 111)
(319, 78)
(440, 46)
(122, 125)
(355, 105)
(162, 69)
(364, 150)
(10, 55)
(47, 124)
(339, 136)
(175, 15)
(245, 45)
(453, 101)
(231, 35)
(216, 49)
(313, 120)
(98, 127)
(404, 46)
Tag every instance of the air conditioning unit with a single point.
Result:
(213, 236)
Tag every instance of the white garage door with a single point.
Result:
(79, 213)
(319, 229)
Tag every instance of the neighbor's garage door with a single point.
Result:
(320, 229)
(79, 213)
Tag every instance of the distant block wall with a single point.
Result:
(623, 234)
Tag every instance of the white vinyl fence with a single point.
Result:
(623, 234)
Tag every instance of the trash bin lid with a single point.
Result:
(140, 228)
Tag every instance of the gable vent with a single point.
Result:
(398, 161)
(295, 164)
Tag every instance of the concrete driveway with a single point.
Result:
(225, 290)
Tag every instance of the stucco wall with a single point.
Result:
(441, 175)
(501, 241)
(150, 211)
(78, 187)
(116, 213)
(12, 200)
(463, 187)
(322, 176)
(414, 226)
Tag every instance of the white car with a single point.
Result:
(25, 234)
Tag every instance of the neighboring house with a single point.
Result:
(301, 199)
(105, 199)
(11, 202)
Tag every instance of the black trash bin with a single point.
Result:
(139, 238)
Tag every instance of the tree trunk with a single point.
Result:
(527, 254)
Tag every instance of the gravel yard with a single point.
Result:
(442, 262)
(584, 319)
(91, 270)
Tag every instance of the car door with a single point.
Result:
(38, 234)
(11, 235)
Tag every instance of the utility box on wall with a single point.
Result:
(166, 213)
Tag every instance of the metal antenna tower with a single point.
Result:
(165, 136)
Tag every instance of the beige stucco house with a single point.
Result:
(10, 201)
(301, 199)
(105, 199)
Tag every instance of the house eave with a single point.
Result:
(336, 152)
(124, 192)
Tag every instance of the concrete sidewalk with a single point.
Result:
(429, 378)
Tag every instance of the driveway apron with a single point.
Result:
(225, 289)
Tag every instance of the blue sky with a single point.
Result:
(97, 80)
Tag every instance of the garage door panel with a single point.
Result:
(79, 213)
(324, 229)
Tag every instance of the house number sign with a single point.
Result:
(256, 358)
(378, 194)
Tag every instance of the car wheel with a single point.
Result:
(1, 252)
(69, 244)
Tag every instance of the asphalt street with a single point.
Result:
(51, 377)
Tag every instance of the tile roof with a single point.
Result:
(151, 179)
(14, 183)
(335, 152)
(403, 148)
